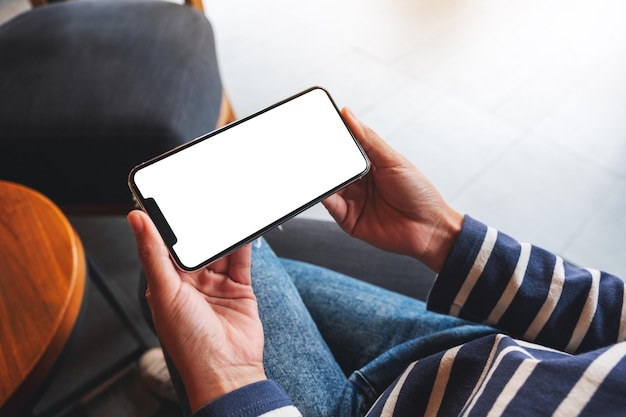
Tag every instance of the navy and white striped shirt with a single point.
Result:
(561, 351)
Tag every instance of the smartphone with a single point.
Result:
(212, 195)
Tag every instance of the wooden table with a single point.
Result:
(42, 281)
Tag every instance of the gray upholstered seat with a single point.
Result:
(90, 88)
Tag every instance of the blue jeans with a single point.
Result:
(334, 343)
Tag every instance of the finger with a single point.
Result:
(336, 207)
(153, 255)
(220, 266)
(240, 265)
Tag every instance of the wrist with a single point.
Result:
(444, 234)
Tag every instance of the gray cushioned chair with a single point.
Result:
(90, 88)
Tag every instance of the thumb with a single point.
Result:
(154, 256)
(381, 154)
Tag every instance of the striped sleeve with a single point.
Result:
(499, 376)
(261, 399)
(528, 292)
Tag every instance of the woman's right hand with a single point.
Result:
(395, 207)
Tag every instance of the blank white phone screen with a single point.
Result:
(222, 190)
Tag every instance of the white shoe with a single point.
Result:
(154, 373)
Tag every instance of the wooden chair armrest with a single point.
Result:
(195, 4)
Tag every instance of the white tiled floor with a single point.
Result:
(516, 110)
